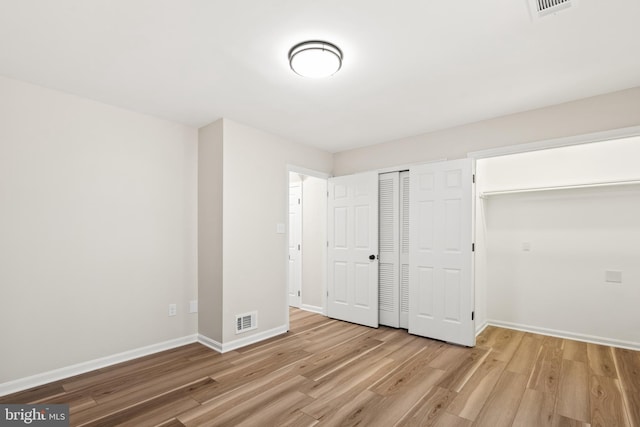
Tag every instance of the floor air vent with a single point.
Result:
(246, 322)
(541, 8)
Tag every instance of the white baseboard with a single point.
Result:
(312, 308)
(241, 342)
(567, 335)
(91, 365)
(80, 368)
(209, 342)
(481, 328)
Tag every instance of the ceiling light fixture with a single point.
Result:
(315, 59)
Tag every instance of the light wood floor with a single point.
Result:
(330, 373)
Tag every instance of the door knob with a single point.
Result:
(372, 257)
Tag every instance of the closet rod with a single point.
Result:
(559, 187)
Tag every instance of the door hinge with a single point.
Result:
(473, 179)
(473, 247)
(298, 201)
(298, 247)
(473, 315)
(298, 293)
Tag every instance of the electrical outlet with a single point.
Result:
(193, 306)
(173, 309)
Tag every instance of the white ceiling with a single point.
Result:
(410, 66)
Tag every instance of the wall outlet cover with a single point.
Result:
(193, 306)
(611, 276)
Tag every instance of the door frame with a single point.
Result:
(295, 301)
(556, 143)
(325, 177)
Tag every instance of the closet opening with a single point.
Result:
(399, 248)
(556, 236)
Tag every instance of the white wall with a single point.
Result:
(574, 236)
(611, 111)
(254, 201)
(314, 242)
(97, 229)
(210, 187)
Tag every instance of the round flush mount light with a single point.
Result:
(315, 59)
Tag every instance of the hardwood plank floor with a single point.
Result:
(330, 373)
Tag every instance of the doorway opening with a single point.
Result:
(307, 237)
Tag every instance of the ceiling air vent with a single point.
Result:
(246, 322)
(541, 8)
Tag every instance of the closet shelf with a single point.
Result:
(488, 194)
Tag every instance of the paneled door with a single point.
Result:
(441, 260)
(353, 249)
(295, 242)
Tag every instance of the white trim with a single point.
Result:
(211, 343)
(298, 224)
(407, 166)
(398, 168)
(481, 328)
(242, 342)
(261, 336)
(307, 172)
(557, 142)
(567, 335)
(312, 308)
(91, 365)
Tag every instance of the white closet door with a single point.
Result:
(353, 249)
(389, 230)
(405, 185)
(295, 242)
(441, 280)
